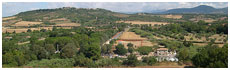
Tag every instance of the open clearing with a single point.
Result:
(20, 30)
(26, 23)
(68, 24)
(142, 22)
(120, 15)
(172, 16)
(208, 20)
(131, 35)
(58, 19)
(8, 18)
(135, 39)
(219, 38)
(24, 29)
(136, 44)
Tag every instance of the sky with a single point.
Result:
(13, 8)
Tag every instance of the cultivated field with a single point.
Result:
(218, 37)
(20, 30)
(8, 18)
(136, 44)
(142, 22)
(120, 15)
(26, 23)
(172, 16)
(208, 20)
(58, 19)
(68, 24)
(130, 35)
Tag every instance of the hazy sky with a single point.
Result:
(12, 8)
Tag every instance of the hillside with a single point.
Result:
(202, 9)
(78, 15)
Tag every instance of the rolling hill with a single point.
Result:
(202, 9)
(79, 15)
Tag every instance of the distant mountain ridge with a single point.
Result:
(202, 9)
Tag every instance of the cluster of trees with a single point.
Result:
(199, 27)
(144, 50)
(132, 61)
(60, 45)
(49, 23)
(212, 57)
(149, 18)
(120, 50)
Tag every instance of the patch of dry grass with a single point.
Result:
(172, 16)
(26, 23)
(8, 18)
(142, 22)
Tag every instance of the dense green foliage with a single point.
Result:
(144, 50)
(84, 47)
(53, 63)
(212, 57)
(120, 49)
(131, 60)
(84, 42)
(149, 60)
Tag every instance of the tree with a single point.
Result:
(39, 51)
(130, 49)
(145, 50)
(93, 52)
(14, 31)
(50, 49)
(131, 60)
(187, 43)
(130, 45)
(183, 55)
(9, 59)
(29, 30)
(52, 63)
(120, 49)
(212, 57)
(81, 60)
(106, 49)
(149, 60)
(68, 51)
(43, 30)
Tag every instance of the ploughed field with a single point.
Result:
(136, 40)
(11, 24)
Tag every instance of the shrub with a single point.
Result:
(53, 63)
(149, 60)
(120, 49)
(144, 50)
(131, 60)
